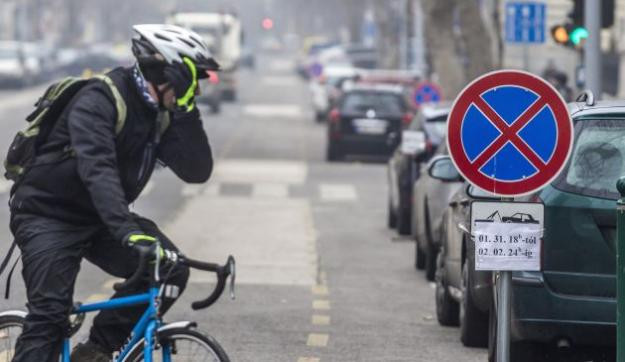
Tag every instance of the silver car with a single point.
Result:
(430, 199)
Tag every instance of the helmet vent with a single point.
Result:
(199, 42)
(161, 37)
(187, 42)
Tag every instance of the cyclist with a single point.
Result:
(77, 206)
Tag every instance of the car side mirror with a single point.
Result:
(443, 169)
(412, 142)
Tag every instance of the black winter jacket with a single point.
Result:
(108, 171)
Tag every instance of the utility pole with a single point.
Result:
(592, 47)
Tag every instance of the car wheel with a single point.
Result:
(447, 309)
(473, 322)
(392, 217)
(419, 257)
(403, 220)
(333, 152)
(430, 254)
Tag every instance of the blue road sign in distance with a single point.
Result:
(509, 133)
(525, 22)
(426, 92)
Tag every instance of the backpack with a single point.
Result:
(48, 109)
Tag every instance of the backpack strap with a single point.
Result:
(120, 104)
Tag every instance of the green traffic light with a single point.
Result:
(578, 34)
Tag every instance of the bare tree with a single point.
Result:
(460, 44)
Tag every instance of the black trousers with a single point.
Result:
(51, 262)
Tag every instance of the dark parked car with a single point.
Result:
(367, 120)
(572, 300)
(430, 199)
(404, 167)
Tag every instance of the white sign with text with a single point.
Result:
(507, 235)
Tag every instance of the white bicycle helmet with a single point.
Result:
(158, 43)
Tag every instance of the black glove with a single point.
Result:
(183, 79)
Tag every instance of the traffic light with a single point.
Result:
(569, 35)
(607, 12)
(267, 23)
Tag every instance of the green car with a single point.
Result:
(572, 301)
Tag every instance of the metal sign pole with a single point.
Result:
(503, 316)
(503, 311)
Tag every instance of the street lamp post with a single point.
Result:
(592, 47)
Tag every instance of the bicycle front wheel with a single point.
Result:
(11, 326)
(182, 345)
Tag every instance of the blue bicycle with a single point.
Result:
(151, 339)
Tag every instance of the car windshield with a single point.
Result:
(381, 103)
(438, 125)
(597, 160)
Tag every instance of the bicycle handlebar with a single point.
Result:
(145, 252)
(222, 271)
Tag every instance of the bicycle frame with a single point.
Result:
(145, 328)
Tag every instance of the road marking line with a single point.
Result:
(317, 340)
(320, 320)
(308, 359)
(270, 190)
(337, 192)
(266, 171)
(191, 190)
(273, 110)
(320, 290)
(97, 297)
(321, 304)
(211, 189)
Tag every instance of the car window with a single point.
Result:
(597, 160)
(381, 103)
(437, 126)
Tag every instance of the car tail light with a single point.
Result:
(428, 145)
(213, 77)
(334, 115)
(407, 118)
